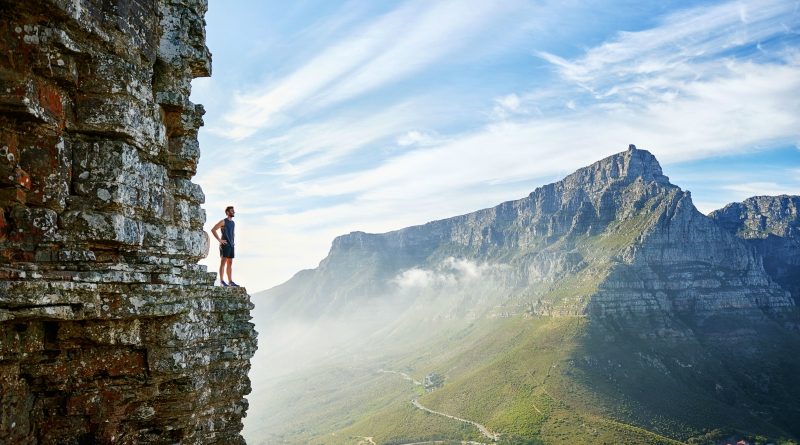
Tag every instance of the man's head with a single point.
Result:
(229, 211)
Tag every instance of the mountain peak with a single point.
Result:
(642, 163)
(625, 166)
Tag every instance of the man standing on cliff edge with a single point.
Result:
(226, 245)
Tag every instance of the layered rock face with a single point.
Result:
(614, 239)
(771, 225)
(110, 332)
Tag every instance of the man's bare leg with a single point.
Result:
(221, 268)
(229, 266)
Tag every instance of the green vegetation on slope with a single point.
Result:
(547, 379)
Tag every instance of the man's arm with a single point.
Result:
(214, 229)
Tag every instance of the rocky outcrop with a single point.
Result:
(771, 225)
(109, 330)
(614, 239)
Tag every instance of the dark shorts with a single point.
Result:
(225, 251)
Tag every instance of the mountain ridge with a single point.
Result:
(620, 214)
(771, 226)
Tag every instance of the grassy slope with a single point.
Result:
(511, 392)
(499, 377)
(524, 378)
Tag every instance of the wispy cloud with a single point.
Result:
(307, 147)
(398, 44)
(698, 105)
(417, 138)
(443, 28)
(744, 109)
(648, 63)
(746, 190)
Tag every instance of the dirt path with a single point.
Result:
(445, 442)
(485, 431)
(404, 375)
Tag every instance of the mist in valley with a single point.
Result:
(306, 366)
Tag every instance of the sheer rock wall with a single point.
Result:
(771, 225)
(110, 332)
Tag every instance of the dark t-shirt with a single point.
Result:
(227, 231)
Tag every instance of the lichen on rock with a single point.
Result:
(110, 332)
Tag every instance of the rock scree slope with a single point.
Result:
(110, 332)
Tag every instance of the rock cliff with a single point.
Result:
(110, 332)
(771, 225)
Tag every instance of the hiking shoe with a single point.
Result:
(224, 284)
(232, 284)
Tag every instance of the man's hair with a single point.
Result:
(228, 208)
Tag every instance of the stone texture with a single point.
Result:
(109, 330)
(771, 225)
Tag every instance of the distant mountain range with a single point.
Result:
(681, 326)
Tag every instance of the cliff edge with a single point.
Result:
(110, 332)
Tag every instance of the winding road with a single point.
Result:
(485, 431)
(445, 442)
(494, 437)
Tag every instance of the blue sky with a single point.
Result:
(327, 117)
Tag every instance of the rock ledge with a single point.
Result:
(110, 332)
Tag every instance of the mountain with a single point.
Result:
(600, 307)
(612, 238)
(771, 225)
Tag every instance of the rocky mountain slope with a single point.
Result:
(110, 332)
(613, 238)
(771, 225)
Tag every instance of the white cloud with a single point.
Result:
(253, 111)
(508, 106)
(416, 138)
(748, 189)
(402, 42)
(448, 273)
(305, 148)
(419, 278)
(745, 108)
(695, 34)
(510, 102)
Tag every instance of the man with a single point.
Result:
(226, 245)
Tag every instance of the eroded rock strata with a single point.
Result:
(614, 239)
(110, 332)
(771, 225)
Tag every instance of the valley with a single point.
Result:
(603, 308)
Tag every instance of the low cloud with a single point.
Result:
(449, 273)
